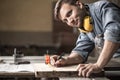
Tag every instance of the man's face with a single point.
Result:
(72, 15)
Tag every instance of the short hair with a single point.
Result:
(59, 4)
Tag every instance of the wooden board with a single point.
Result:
(74, 78)
(47, 70)
(44, 70)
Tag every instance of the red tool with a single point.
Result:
(47, 59)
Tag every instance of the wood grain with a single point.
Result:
(44, 70)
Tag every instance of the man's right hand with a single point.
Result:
(72, 59)
(58, 62)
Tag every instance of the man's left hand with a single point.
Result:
(85, 70)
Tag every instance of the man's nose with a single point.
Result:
(70, 21)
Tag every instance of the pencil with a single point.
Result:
(60, 57)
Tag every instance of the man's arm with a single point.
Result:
(74, 58)
(79, 54)
(109, 49)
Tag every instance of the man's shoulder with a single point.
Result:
(100, 3)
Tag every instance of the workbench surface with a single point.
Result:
(44, 70)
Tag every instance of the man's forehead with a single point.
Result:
(63, 10)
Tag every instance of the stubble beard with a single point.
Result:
(82, 15)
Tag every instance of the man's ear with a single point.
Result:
(78, 3)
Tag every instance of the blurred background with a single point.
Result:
(28, 25)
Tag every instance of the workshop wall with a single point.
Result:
(28, 15)
(25, 15)
(28, 22)
(24, 22)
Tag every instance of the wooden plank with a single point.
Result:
(77, 78)
(73, 78)
(44, 70)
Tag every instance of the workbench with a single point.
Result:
(39, 71)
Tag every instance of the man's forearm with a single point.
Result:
(109, 49)
(74, 58)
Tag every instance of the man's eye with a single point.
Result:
(69, 13)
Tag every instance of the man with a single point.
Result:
(99, 24)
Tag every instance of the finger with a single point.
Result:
(84, 72)
(80, 70)
(79, 73)
(59, 62)
(89, 72)
(80, 65)
(54, 57)
(52, 61)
